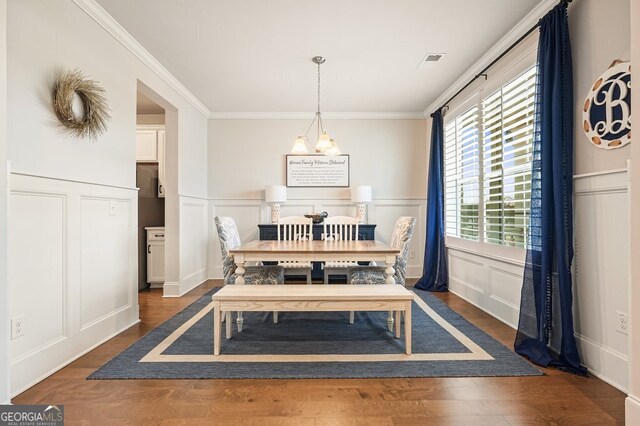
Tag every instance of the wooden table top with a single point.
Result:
(334, 292)
(308, 247)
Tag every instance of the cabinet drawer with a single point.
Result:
(155, 235)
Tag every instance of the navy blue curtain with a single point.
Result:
(434, 272)
(545, 328)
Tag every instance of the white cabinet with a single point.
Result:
(155, 256)
(146, 145)
(150, 149)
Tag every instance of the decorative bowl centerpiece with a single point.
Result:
(317, 217)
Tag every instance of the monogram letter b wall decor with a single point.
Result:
(607, 110)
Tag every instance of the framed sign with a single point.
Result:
(318, 171)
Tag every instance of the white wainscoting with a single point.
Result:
(384, 213)
(72, 271)
(194, 234)
(601, 287)
(490, 284)
(601, 278)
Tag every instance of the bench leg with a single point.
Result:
(407, 328)
(352, 317)
(275, 317)
(216, 328)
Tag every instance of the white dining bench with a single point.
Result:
(315, 298)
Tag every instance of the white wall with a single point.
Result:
(245, 155)
(599, 34)
(632, 406)
(68, 192)
(4, 288)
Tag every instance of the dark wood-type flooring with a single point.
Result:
(555, 398)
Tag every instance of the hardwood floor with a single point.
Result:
(555, 398)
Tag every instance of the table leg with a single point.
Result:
(239, 321)
(240, 272)
(407, 328)
(228, 324)
(389, 271)
(390, 321)
(398, 323)
(216, 328)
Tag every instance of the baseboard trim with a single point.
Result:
(171, 289)
(64, 364)
(632, 410)
(604, 362)
(461, 296)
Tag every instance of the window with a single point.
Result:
(488, 152)
(462, 175)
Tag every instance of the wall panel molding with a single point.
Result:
(601, 277)
(109, 278)
(194, 244)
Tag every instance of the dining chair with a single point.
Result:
(401, 240)
(296, 228)
(230, 239)
(339, 228)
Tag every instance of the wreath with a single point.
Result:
(93, 121)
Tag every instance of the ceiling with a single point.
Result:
(145, 105)
(255, 55)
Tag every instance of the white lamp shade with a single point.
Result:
(361, 194)
(276, 194)
(333, 150)
(324, 143)
(300, 146)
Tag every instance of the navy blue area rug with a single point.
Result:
(316, 345)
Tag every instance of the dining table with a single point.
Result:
(315, 251)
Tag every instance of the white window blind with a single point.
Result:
(507, 123)
(462, 173)
(487, 166)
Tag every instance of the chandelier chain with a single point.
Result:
(318, 86)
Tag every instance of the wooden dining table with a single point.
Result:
(315, 251)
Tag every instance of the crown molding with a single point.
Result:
(106, 21)
(311, 115)
(514, 34)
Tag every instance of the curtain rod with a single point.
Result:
(502, 55)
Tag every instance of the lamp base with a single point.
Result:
(360, 210)
(275, 213)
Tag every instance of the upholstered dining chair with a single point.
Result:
(401, 240)
(339, 228)
(295, 228)
(230, 239)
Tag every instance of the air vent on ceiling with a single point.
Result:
(430, 60)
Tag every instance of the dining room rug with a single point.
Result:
(316, 345)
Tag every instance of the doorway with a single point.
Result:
(150, 172)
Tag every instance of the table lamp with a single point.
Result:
(360, 195)
(274, 195)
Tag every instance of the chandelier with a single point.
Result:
(325, 145)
